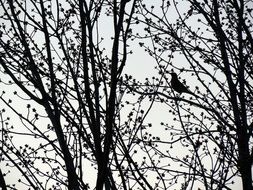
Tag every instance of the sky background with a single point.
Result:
(139, 64)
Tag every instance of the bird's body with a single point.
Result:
(178, 86)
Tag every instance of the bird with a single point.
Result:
(178, 86)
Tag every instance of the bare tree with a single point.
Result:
(78, 114)
(55, 58)
(214, 42)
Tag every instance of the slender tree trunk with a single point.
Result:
(2, 181)
(73, 183)
(245, 163)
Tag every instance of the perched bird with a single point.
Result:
(178, 86)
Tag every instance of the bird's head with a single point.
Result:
(174, 75)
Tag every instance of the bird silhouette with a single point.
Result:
(178, 86)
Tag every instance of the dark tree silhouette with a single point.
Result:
(214, 41)
(54, 52)
(73, 118)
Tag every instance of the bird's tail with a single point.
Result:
(190, 92)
